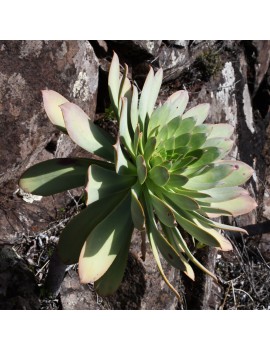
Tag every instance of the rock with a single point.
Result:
(178, 43)
(18, 288)
(132, 50)
(27, 135)
(27, 67)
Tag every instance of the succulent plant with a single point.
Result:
(165, 175)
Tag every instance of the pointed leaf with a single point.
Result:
(57, 175)
(154, 91)
(124, 129)
(122, 164)
(199, 112)
(111, 280)
(52, 100)
(85, 133)
(177, 103)
(137, 211)
(192, 258)
(149, 148)
(211, 178)
(76, 232)
(141, 169)
(163, 211)
(159, 175)
(180, 201)
(134, 108)
(105, 242)
(221, 130)
(145, 95)
(236, 207)
(114, 83)
(242, 172)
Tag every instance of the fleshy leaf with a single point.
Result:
(137, 211)
(159, 175)
(52, 101)
(122, 164)
(114, 82)
(236, 207)
(199, 112)
(77, 230)
(105, 242)
(145, 95)
(103, 182)
(57, 175)
(124, 129)
(163, 211)
(85, 133)
(112, 278)
(242, 172)
(177, 103)
(134, 108)
(141, 169)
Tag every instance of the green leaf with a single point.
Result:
(134, 108)
(163, 211)
(205, 232)
(159, 175)
(212, 177)
(105, 242)
(176, 181)
(172, 234)
(137, 211)
(124, 129)
(208, 155)
(177, 103)
(197, 140)
(122, 164)
(149, 148)
(180, 201)
(223, 194)
(112, 278)
(154, 91)
(57, 175)
(85, 133)
(235, 207)
(145, 96)
(103, 182)
(191, 257)
(241, 173)
(221, 130)
(125, 88)
(199, 112)
(141, 169)
(194, 230)
(186, 126)
(77, 230)
(114, 82)
(52, 101)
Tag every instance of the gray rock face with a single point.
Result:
(27, 67)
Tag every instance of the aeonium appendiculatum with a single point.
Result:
(164, 173)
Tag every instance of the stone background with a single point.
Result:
(233, 76)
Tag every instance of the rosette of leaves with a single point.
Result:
(165, 174)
